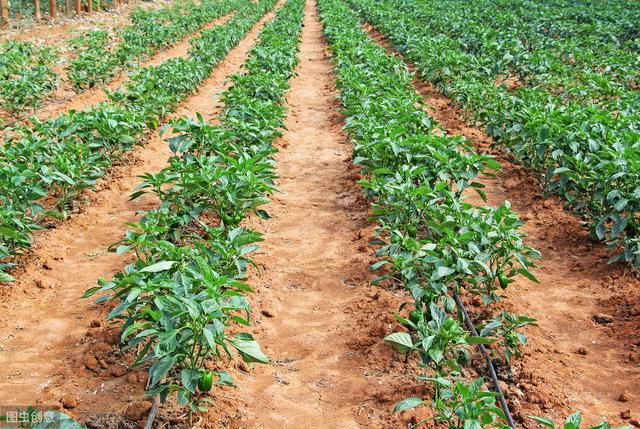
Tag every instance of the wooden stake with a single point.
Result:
(67, 7)
(36, 10)
(89, 6)
(77, 7)
(52, 8)
(4, 5)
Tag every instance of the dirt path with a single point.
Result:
(50, 337)
(572, 362)
(319, 320)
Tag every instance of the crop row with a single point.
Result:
(44, 166)
(434, 243)
(585, 149)
(187, 284)
(26, 71)
(589, 49)
(97, 61)
(26, 75)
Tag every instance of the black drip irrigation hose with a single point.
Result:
(487, 358)
(152, 413)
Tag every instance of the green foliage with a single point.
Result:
(572, 114)
(433, 242)
(26, 76)
(98, 60)
(63, 156)
(574, 421)
(177, 301)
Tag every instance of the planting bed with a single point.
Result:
(330, 213)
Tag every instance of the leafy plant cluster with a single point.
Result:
(574, 114)
(44, 166)
(98, 60)
(26, 75)
(435, 243)
(186, 287)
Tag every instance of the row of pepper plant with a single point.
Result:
(98, 59)
(187, 285)
(432, 241)
(27, 75)
(573, 119)
(44, 166)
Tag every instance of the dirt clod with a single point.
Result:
(69, 401)
(602, 318)
(582, 351)
(626, 414)
(91, 362)
(117, 370)
(623, 397)
(268, 312)
(137, 411)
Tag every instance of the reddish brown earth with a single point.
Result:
(54, 349)
(319, 320)
(573, 362)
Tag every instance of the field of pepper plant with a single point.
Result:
(336, 213)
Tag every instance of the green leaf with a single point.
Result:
(544, 421)
(4, 277)
(401, 341)
(407, 404)
(8, 232)
(479, 340)
(189, 378)
(378, 265)
(528, 274)
(249, 350)
(158, 267)
(444, 271)
(224, 378)
(160, 368)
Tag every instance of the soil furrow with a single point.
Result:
(585, 353)
(330, 368)
(50, 335)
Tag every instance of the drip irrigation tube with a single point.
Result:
(487, 358)
(152, 413)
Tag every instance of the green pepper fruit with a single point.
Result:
(415, 316)
(206, 381)
(504, 280)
